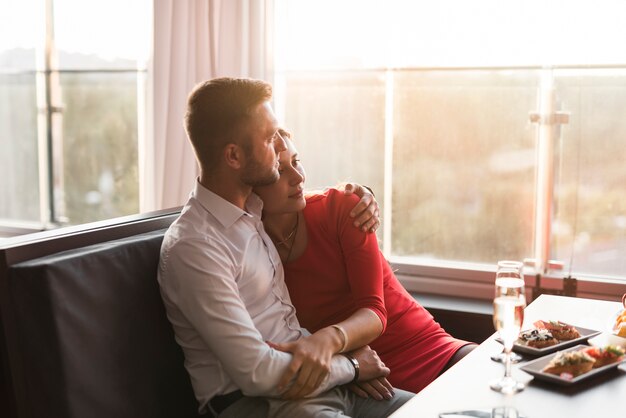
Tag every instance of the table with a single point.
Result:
(466, 385)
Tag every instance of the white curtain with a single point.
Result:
(194, 40)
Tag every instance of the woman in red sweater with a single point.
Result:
(343, 288)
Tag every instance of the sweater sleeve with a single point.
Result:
(362, 256)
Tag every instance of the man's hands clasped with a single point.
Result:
(311, 363)
(372, 375)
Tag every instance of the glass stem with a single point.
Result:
(507, 364)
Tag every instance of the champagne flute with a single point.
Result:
(507, 265)
(508, 316)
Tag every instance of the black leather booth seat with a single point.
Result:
(91, 338)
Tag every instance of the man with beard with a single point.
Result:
(222, 281)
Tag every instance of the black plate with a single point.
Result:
(524, 349)
(534, 367)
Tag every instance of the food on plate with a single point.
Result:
(560, 330)
(572, 363)
(536, 338)
(605, 355)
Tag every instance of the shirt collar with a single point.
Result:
(224, 211)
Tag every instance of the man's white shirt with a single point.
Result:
(224, 291)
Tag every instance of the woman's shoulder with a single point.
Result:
(328, 211)
(331, 199)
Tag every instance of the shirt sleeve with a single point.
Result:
(361, 254)
(210, 301)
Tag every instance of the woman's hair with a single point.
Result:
(216, 110)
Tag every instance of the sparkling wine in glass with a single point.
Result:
(508, 316)
(508, 265)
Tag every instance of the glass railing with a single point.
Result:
(455, 159)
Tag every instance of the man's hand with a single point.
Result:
(366, 212)
(370, 365)
(378, 389)
(310, 364)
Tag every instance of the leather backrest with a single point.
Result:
(92, 336)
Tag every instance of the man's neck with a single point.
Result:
(228, 187)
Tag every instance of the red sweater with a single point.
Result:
(342, 270)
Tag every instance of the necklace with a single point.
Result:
(294, 236)
(291, 234)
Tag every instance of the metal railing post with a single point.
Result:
(547, 119)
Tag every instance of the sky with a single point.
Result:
(314, 34)
(110, 29)
(415, 33)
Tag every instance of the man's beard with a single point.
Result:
(255, 175)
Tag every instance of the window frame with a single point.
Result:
(475, 280)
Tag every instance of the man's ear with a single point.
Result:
(234, 156)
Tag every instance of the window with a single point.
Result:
(72, 95)
(430, 104)
(19, 184)
(589, 227)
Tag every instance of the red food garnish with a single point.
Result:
(593, 352)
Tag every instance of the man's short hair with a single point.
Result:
(216, 109)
